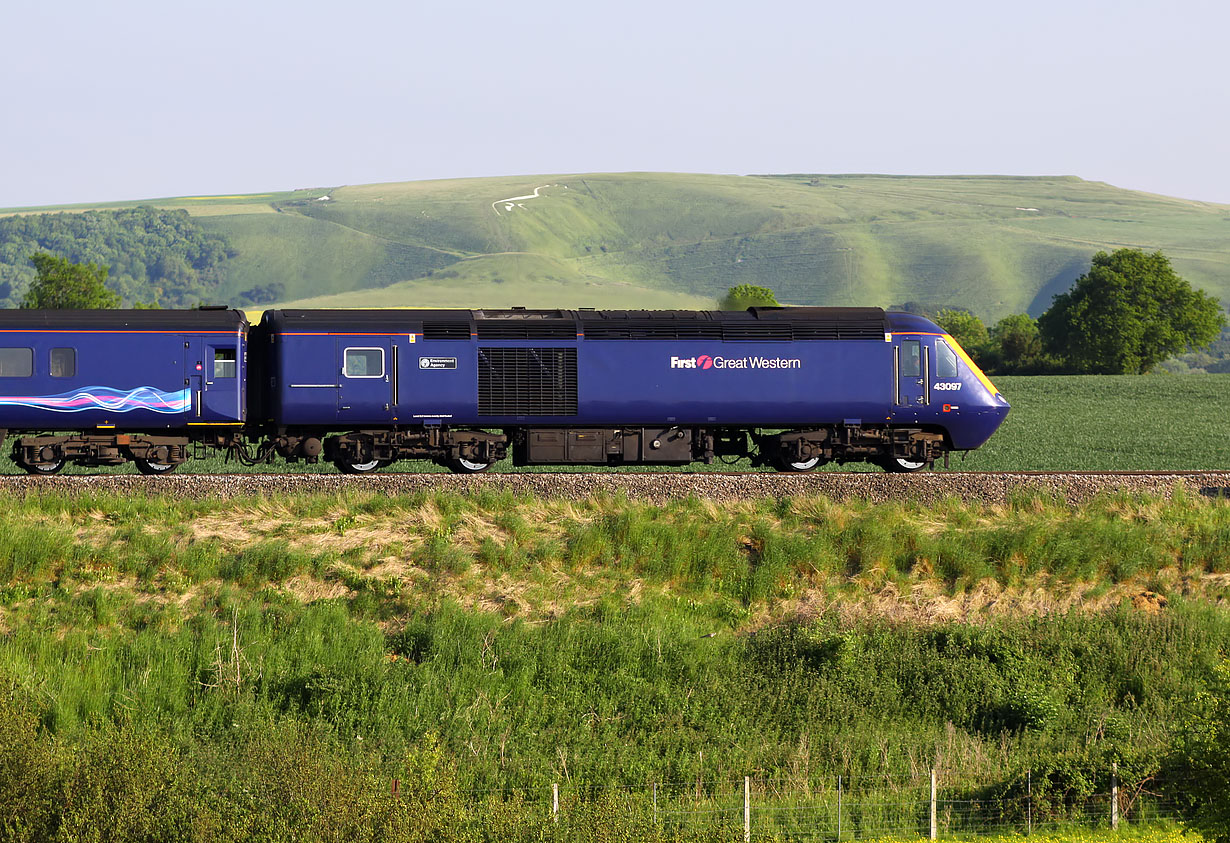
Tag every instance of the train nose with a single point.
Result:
(980, 419)
(1001, 408)
(993, 416)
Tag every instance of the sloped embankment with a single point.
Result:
(244, 651)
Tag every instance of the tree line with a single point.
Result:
(157, 256)
(1128, 313)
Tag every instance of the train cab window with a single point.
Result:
(911, 358)
(945, 360)
(224, 363)
(364, 363)
(63, 363)
(16, 362)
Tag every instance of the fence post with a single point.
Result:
(1114, 794)
(747, 809)
(555, 801)
(839, 808)
(1029, 801)
(934, 824)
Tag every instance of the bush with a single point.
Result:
(743, 296)
(30, 772)
(1203, 753)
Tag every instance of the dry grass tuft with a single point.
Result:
(1150, 602)
(309, 590)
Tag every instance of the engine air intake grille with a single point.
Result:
(648, 330)
(446, 330)
(867, 329)
(756, 331)
(527, 381)
(525, 329)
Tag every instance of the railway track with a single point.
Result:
(660, 487)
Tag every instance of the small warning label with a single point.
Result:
(437, 362)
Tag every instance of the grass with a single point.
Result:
(118, 603)
(815, 240)
(511, 280)
(997, 245)
(478, 648)
(530, 557)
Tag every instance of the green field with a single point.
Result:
(1121, 422)
(994, 244)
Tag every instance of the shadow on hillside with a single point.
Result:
(1060, 282)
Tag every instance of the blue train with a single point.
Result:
(792, 388)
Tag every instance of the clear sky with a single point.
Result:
(131, 99)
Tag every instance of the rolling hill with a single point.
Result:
(994, 244)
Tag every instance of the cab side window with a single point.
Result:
(911, 357)
(364, 363)
(945, 360)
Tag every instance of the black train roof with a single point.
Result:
(397, 319)
(205, 319)
(760, 323)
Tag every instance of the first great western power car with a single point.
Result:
(792, 388)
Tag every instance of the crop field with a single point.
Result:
(1121, 422)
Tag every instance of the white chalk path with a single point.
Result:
(518, 201)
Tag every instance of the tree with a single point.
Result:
(1016, 348)
(63, 285)
(1128, 313)
(743, 296)
(967, 329)
(150, 253)
(1204, 754)
(1017, 338)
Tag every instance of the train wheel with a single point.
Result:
(46, 468)
(786, 464)
(353, 467)
(154, 469)
(902, 465)
(464, 466)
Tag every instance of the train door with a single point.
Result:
(365, 386)
(913, 358)
(212, 377)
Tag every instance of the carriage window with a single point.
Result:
(224, 363)
(16, 362)
(945, 360)
(63, 362)
(911, 355)
(364, 363)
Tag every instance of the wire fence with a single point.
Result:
(839, 809)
